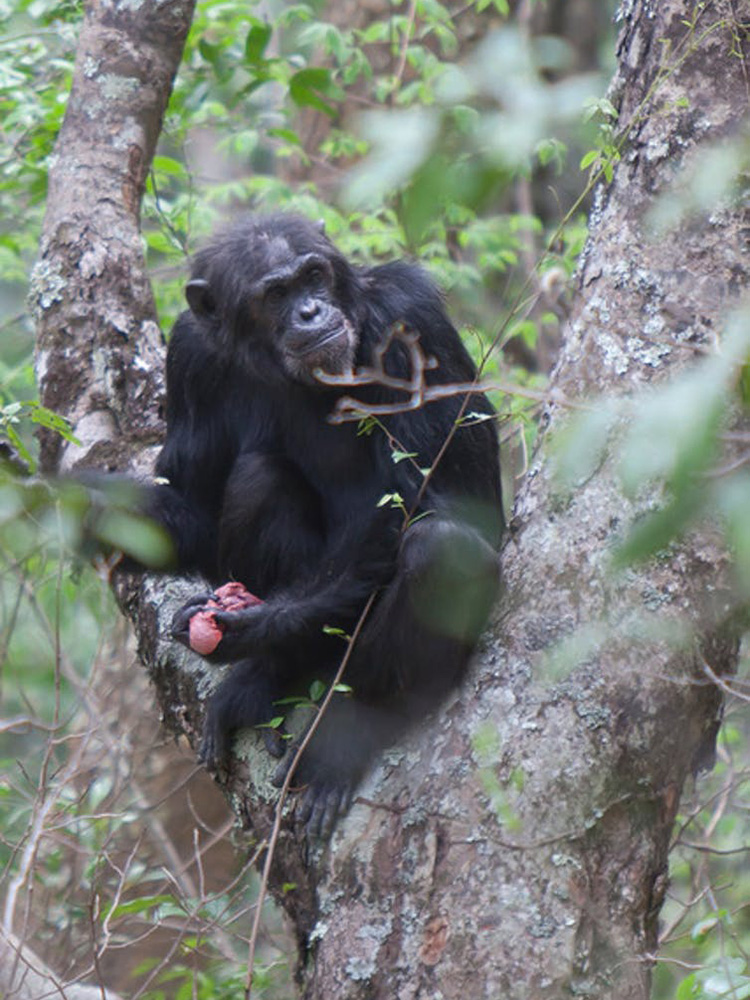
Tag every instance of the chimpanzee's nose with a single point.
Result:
(309, 310)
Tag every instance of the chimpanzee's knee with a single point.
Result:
(452, 577)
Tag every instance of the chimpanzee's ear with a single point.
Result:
(320, 225)
(199, 298)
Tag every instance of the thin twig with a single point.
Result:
(271, 849)
(405, 48)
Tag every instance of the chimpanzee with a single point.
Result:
(313, 515)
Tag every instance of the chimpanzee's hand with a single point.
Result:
(180, 628)
(198, 623)
(241, 633)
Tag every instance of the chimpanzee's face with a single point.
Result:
(279, 301)
(294, 304)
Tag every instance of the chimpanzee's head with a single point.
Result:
(275, 293)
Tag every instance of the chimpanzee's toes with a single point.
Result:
(275, 743)
(215, 744)
(321, 806)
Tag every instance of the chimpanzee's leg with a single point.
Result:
(424, 627)
(413, 649)
(244, 698)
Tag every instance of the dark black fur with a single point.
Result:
(264, 489)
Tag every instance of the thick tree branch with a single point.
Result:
(99, 350)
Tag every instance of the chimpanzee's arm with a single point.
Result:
(333, 596)
(198, 452)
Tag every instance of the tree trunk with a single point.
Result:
(516, 846)
(100, 353)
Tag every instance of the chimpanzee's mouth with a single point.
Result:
(323, 340)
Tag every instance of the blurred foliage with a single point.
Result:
(86, 807)
(404, 139)
(426, 169)
(37, 48)
(674, 444)
(705, 924)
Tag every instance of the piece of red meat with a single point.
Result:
(205, 631)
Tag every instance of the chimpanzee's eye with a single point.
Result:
(276, 293)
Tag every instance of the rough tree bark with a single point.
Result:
(432, 885)
(99, 349)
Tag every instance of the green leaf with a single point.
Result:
(15, 440)
(687, 990)
(734, 502)
(552, 151)
(317, 690)
(599, 107)
(140, 905)
(394, 499)
(210, 53)
(591, 157)
(136, 536)
(366, 426)
(287, 134)
(655, 531)
(399, 456)
(274, 723)
(726, 980)
(257, 39)
(169, 166)
(703, 928)
(161, 242)
(54, 422)
(672, 435)
(744, 384)
(378, 31)
(307, 86)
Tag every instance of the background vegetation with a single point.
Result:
(470, 137)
